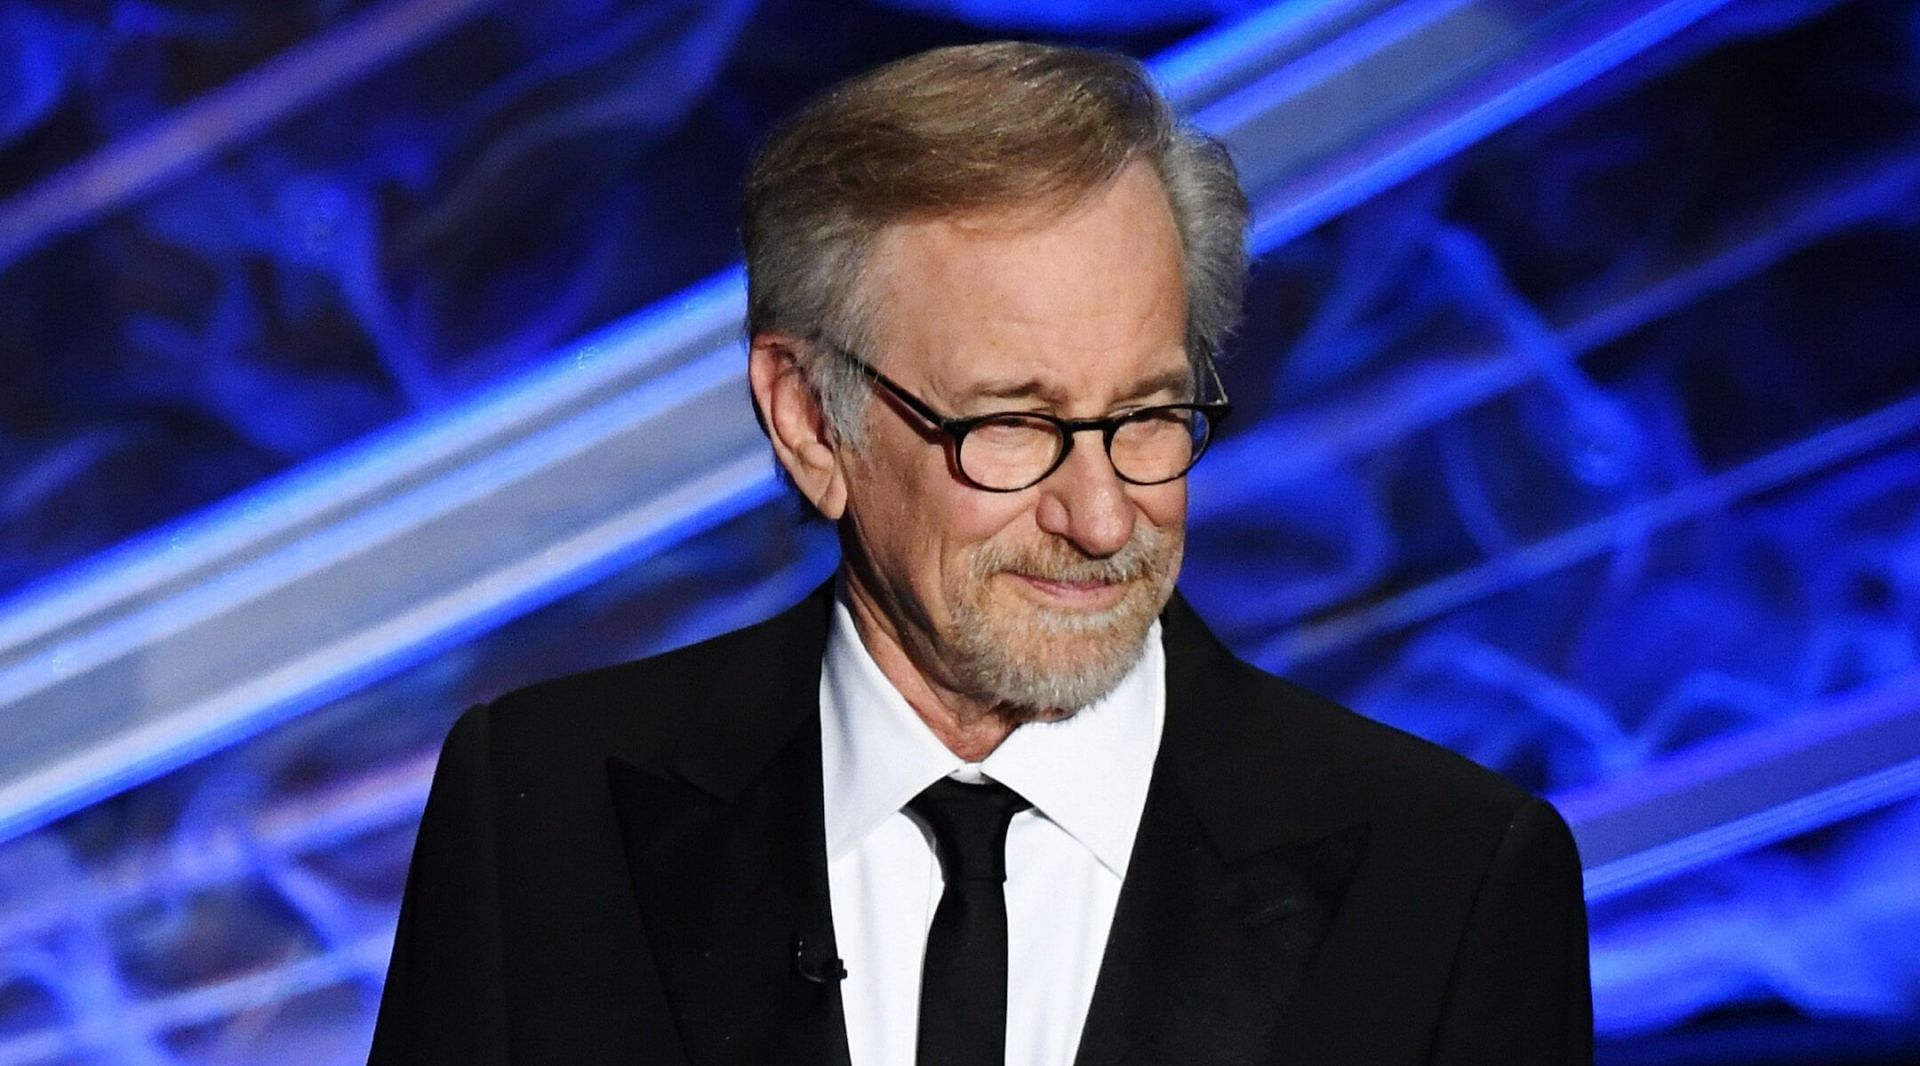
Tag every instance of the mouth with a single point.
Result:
(1074, 595)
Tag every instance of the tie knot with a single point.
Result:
(969, 824)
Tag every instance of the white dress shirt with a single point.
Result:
(1086, 777)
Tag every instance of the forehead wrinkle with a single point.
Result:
(960, 311)
(949, 374)
(1179, 382)
(1033, 388)
(915, 257)
(1010, 388)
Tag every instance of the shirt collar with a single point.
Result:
(1087, 773)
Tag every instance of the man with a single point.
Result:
(996, 794)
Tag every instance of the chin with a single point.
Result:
(1038, 656)
(1037, 662)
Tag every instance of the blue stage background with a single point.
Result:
(1591, 450)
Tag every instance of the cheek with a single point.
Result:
(973, 518)
(884, 510)
(953, 516)
(922, 524)
(1164, 505)
(917, 521)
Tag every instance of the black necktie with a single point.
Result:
(963, 983)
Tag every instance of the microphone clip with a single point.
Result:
(814, 965)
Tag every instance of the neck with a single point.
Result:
(969, 727)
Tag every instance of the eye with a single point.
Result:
(1157, 418)
(1012, 430)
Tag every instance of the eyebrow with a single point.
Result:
(1177, 382)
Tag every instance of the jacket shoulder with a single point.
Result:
(1422, 769)
(1288, 745)
(642, 709)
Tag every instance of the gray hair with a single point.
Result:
(959, 130)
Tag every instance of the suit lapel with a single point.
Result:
(1237, 871)
(727, 855)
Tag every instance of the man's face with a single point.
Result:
(1037, 600)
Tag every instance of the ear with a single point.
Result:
(794, 421)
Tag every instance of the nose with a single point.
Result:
(1086, 503)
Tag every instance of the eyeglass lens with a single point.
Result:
(1013, 451)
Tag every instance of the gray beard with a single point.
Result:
(1048, 664)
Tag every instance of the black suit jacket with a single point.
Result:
(628, 866)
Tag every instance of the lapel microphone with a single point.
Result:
(815, 963)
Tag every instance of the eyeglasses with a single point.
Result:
(1007, 451)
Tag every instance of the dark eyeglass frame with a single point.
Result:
(956, 429)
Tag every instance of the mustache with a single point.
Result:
(1142, 556)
